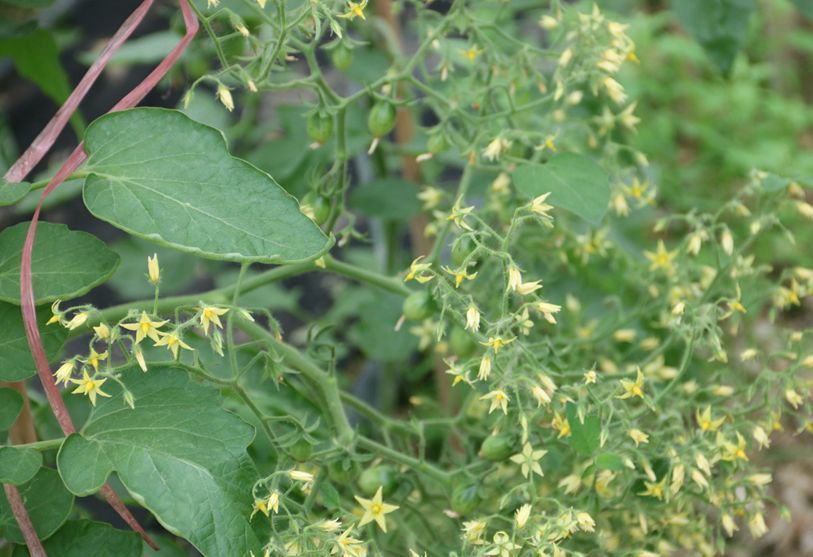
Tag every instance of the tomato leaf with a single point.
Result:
(158, 174)
(575, 182)
(178, 453)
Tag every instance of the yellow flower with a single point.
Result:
(94, 358)
(633, 388)
(549, 311)
(102, 331)
(460, 275)
(498, 399)
(64, 372)
(793, 398)
(661, 259)
(496, 343)
(485, 368)
(473, 531)
(77, 321)
(472, 53)
(539, 206)
(732, 452)
(211, 314)
(89, 387)
(266, 505)
(300, 476)
(375, 509)
(145, 327)
(419, 271)
(153, 270)
(705, 422)
(473, 318)
(349, 546)
(528, 460)
(638, 436)
(585, 522)
(224, 96)
(496, 148)
(354, 10)
(561, 425)
(514, 278)
(56, 315)
(529, 287)
(522, 515)
(654, 489)
(458, 214)
(173, 342)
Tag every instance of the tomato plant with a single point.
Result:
(397, 277)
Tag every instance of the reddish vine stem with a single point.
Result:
(45, 140)
(15, 501)
(77, 157)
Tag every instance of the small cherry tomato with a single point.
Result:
(381, 119)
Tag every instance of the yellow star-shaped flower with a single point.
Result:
(355, 9)
(375, 509)
(661, 259)
(173, 342)
(90, 387)
(211, 314)
(145, 327)
(633, 388)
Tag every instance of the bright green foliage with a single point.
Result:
(177, 452)
(12, 192)
(48, 504)
(575, 183)
(157, 174)
(66, 263)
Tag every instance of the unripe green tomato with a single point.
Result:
(461, 342)
(301, 450)
(497, 448)
(341, 475)
(437, 144)
(319, 205)
(381, 119)
(465, 499)
(418, 306)
(342, 57)
(320, 127)
(382, 476)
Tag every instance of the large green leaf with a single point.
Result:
(18, 464)
(158, 174)
(11, 402)
(48, 504)
(80, 538)
(720, 26)
(576, 183)
(65, 264)
(16, 362)
(178, 453)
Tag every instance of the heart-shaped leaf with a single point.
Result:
(158, 174)
(575, 182)
(65, 264)
(178, 453)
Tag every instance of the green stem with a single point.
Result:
(417, 465)
(362, 275)
(462, 190)
(46, 445)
